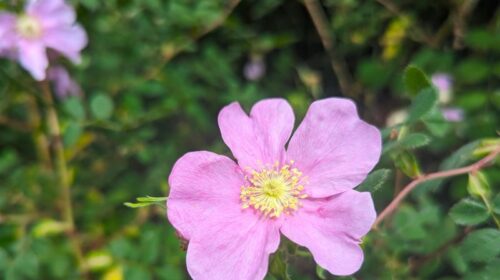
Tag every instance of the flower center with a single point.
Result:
(273, 190)
(28, 27)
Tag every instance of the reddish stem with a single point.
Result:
(432, 176)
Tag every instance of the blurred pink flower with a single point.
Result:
(453, 114)
(254, 69)
(232, 213)
(44, 24)
(443, 82)
(64, 86)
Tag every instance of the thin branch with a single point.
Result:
(63, 175)
(338, 64)
(432, 176)
(15, 124)
(460, 17)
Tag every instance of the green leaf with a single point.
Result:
(151, 199)
(101, 106)
(469, 212)
(320, 272)
(496, 204)
(407, 162)
(146, 201)
(490, 271)
(74, 107)
(481, 245)
(415, 80)
(436, 123)
(278, 267)
(478, 184)
(72, 134)
(136, 273)
(374, 181)
(414, 140)
(457, 260)
(4, 259)
(460, 157)
(422, 104)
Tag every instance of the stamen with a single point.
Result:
(28, 27)
(273, 190)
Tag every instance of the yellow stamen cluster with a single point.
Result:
(273, 190)
(28, 27)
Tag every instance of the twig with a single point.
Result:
(432, 176)
(15, 124)
(62, 172)
(338, 64)
(460, 16)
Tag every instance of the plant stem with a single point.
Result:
(62, 172)
(338, 64)
(490, 209)
(432, 176)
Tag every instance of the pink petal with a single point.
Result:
(63, 84)
(333, 147)
(33, 57)
(201, 182)
(258, 139)
(51, 13)
(232, 247)
(68, 40)
(331, 229)
(7, 27)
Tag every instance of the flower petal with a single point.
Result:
(51, 13)
(331, 228)
(233, 247)
(258, 139)
(68, 40)
(7, 34)
(199, 183)
(333, 147)
(33, 57)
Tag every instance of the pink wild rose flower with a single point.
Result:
(64, 86)
(232, 213)
(44, 24)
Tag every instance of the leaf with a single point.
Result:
(469, 212)
(72, 134)
(481, 245)
(488, 272)
(73, 106)
(478, 184)
(134, 272)
(151, 199)
(436, 123)
(422, 104)
(146, 201)
(278, 267)
(414, 140)
(496, 204)
(408, 163)
(374, 181)
(415, 80)
(101, 106)
(320, 272)
(460, 157)
(457, 260)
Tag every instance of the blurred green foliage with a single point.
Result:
(155, 75)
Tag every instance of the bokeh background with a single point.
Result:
(156, 73)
